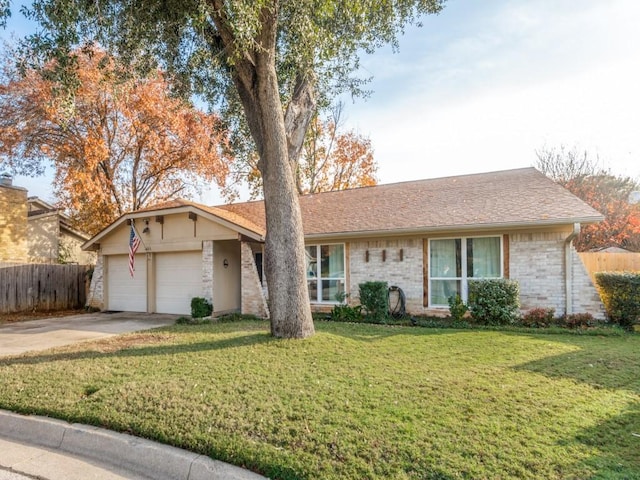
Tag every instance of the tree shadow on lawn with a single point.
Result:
(617, 441)
(104, 349)
(599, 362)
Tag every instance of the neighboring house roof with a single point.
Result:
(505, 199)
(38, 209)
(512, 198)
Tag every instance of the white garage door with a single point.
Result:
(126, 293)
(178, 280)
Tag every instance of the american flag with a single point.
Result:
(134, 243)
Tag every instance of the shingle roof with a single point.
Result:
(519, 197)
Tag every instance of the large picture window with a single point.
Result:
(454, 261)
(325, 272)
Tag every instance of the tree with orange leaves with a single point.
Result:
(329, 160)
(607, 193)
(117, 144)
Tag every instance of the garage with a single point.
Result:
(178, 280)
(125, 293)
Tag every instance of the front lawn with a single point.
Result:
(355, 401)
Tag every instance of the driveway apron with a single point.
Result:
(34, 335)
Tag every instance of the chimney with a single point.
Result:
(6, 180)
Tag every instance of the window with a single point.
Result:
(325, 272)
(454, 261)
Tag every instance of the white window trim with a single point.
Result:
(463, 279)
(320, 278)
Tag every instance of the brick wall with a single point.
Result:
(13, 224)
(585, 295)
(405, 273)
(537, 263)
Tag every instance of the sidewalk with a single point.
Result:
(48, 449)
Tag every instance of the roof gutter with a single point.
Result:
(568, 270)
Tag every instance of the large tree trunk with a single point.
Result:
(285, 253)
(256, 81)
(285, 270)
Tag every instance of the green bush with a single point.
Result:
(538, 317)
(346, 313)
(457, 308)
(374, 297)
(200, 307)
(620, 293)
(494, 302)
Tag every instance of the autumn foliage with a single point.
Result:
(117, 143)
(607, 193)
(331, 160)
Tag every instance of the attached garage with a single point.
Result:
(123, 292)
(186, 250)
(178, 280)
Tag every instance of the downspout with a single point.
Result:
(568, 269)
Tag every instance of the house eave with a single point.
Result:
(400, 232)
(89, 245)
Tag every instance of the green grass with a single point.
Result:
(356, 401)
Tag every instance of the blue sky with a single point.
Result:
(484, 84)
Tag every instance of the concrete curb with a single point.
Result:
(138, 455)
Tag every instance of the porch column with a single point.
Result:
(252, 301)
(207, 270)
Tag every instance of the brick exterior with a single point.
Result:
(405, 273)
(252, 297)
(585, 295)
(537, 263)
(207, 270)
(95, 298)
(13, 225)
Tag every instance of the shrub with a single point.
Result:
(578, 320)
(538, 317)
(457, 308)
(200, 307)
(494, 302)
(346, 313)
(620, 293)
(374, 297)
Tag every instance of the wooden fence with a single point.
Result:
(43, 287)
(610, 262)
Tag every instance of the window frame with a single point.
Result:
(319, 278)
(463, 278)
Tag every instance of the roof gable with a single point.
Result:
(223, 217)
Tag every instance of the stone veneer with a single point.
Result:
(207, 270)
(253, 301)
(13, 224)
(95, 298)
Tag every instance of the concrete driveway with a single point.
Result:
(20, 337)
